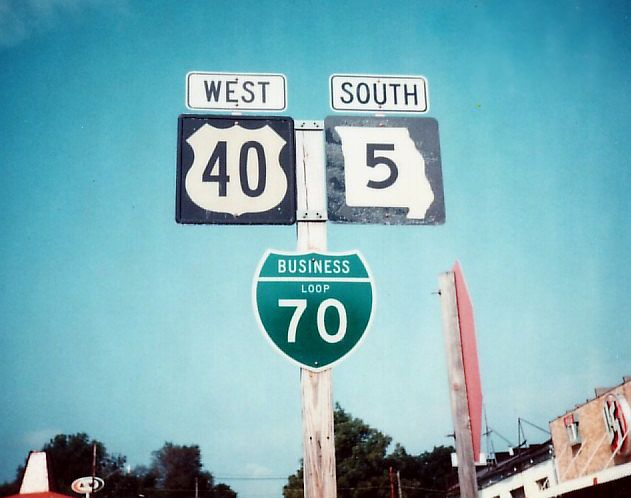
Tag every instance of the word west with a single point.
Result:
(231, 91)
(235, 91)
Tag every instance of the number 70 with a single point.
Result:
(300, 306)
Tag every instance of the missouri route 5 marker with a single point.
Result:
(384, 170)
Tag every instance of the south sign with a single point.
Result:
(405, 94)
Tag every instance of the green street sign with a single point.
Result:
(314, 308)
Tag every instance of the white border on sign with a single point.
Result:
(78, 485)
(259, 266)
(251, 109)
(383, 76)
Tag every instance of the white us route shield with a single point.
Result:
(314, 308)
(236, 170)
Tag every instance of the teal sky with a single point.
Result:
(116, 321)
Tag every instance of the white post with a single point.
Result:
(457, 386)
(316, 387)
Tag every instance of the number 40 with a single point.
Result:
(301, 306)
(220, 157)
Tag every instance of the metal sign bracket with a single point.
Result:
(311, 215)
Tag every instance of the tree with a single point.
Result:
(295, 484)
(70, 457)
(180, 468)
(9, 488)
(176, 471)
(224, 491)
(12, 487)
(359, 452)
(359, 460)
(362, 466)
(426, 475)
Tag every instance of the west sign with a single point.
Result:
(236, 91)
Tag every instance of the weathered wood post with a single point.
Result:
(457, 386)
(316, 387)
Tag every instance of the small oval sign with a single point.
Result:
(88, 484)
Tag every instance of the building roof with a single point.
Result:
(523, 459)
(508, 465)
(44, 494)
(598, 392)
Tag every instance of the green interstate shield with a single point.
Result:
(313, 307)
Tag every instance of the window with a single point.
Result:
(571, 427)
(543, 483)
(518, 493)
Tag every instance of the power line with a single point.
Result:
(546, 431)
(251, 478)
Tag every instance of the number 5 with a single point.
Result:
(373, 161)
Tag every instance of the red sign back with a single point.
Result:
(470, 359)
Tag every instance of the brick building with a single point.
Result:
(588, 456)
(592, 446)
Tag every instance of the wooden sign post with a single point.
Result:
(316, 387)
(457, 386)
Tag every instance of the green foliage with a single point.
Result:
(9, 488)
(223, 491)
(363, 466)
(180, 467)
(13, 487)
(360, 451)
(295, 484)
(425, 475)
(175, 472)
(70, 457)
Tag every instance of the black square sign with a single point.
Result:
(384, 170)
(236, 170)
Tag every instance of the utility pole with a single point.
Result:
(391, 475)
(93, 485)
